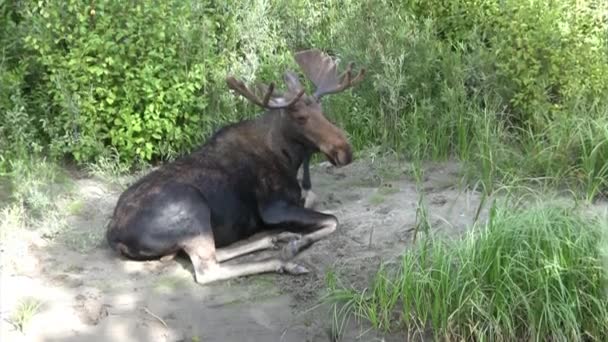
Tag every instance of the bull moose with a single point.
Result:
(241, 182)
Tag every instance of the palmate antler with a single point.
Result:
(318, 67)
(321, 70)
(266, 101)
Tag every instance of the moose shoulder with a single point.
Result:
(242, 181)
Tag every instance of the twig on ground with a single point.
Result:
(146, 310)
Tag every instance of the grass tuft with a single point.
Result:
(24, 313)
(110, 169)
(31, 190)
(536, 274)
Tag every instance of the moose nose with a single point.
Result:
(343, 155)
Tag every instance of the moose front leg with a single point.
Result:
(297, 219)
(266, 242)
(308, 196)
(207, 268)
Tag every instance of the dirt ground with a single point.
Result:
(87, 293)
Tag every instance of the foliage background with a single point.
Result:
(514, 88)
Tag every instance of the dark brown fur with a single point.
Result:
(243, 180)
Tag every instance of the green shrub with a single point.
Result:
(144, 82)
(147, 80)
(18, 130)
(17, 125)
(123, 76)
(547, 55)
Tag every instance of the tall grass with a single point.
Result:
(536, 274)
(28, 197)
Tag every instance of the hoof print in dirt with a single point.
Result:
(339, 176)
(331, 198)
(439, 200)
(383, 210)
(90, 311)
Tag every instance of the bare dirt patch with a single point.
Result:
(88, 293)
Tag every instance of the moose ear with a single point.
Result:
(292, 82)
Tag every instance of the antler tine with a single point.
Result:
(321, 70)
(268, 93)
(242, 89)
(358, 78)
(345, 77)
(293, 100)
(350, 81)
(346, 81)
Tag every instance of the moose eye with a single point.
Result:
(301, 119)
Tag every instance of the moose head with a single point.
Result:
(301, 115)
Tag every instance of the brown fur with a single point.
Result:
(242, 181)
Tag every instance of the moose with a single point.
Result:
(240, 182)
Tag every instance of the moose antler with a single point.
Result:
(321, 70)
(266, 101)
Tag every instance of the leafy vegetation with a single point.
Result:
(513, 88)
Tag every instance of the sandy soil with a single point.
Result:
(87, 293)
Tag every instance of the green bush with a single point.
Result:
(547, 56)
(147, 80)
(18, 133)
(122, 76)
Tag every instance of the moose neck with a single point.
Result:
(281, 140)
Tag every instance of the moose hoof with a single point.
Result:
(293, 269)
(294, 248)
(290, 250)
(285, 237)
